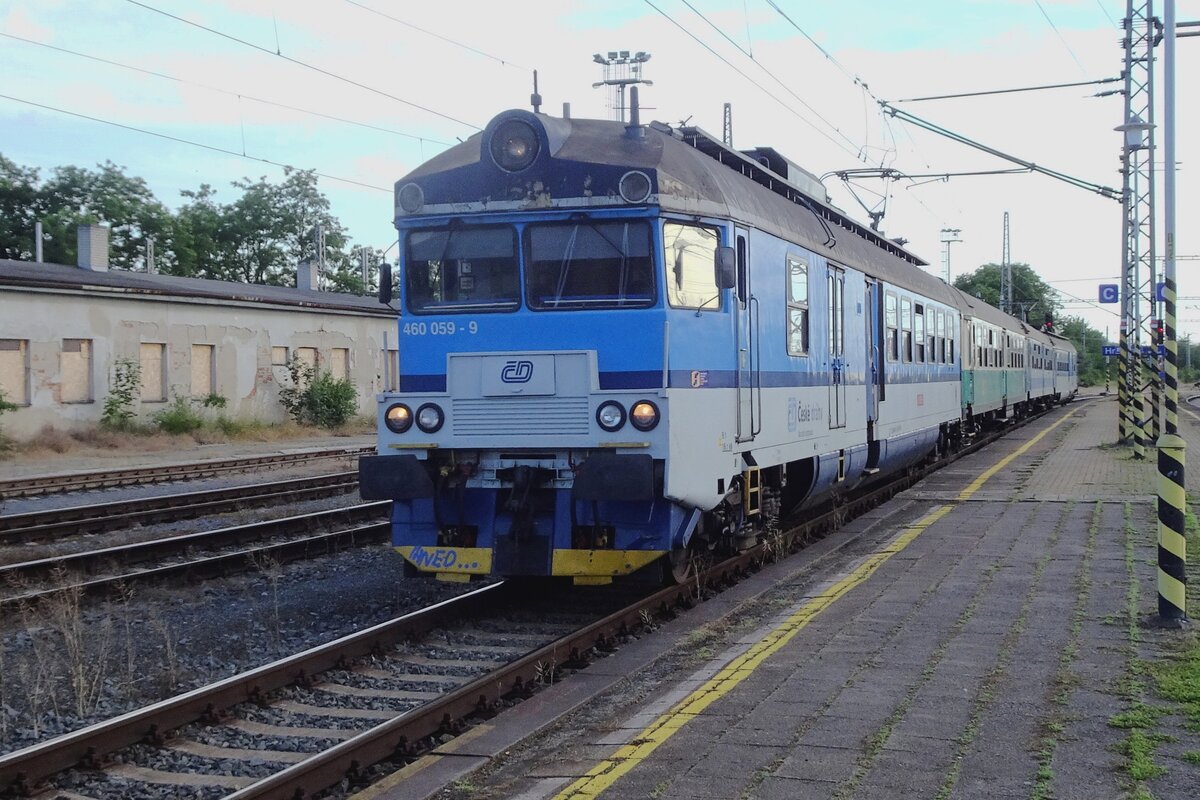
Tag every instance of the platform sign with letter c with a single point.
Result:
(1110, 293)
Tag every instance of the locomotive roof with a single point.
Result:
(695, 174)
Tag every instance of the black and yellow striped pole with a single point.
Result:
(1172, 546)
(1172, 498)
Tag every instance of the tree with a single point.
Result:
(200, 235)
(77, 196)
(1088, 342)
(18, 196)
(1032, 297)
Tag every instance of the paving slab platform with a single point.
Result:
(971, 638)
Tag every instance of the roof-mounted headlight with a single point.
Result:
(635, 186)
(411, 198)
(514, 145)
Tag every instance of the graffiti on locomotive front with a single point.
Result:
(471, 560)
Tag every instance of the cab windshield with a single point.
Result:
(588, 265)
(462, 269)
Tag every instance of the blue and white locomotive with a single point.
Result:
(624, 345)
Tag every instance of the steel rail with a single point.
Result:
(25, 573)
(100, 517)
(69, 481)
(21, 770)
(407, 735)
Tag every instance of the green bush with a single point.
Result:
(317, 399)
(5, 442)
(179, 417)
(124, 387)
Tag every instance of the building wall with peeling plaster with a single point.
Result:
(68, 389)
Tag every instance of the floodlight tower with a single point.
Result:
(1005, 272)
(948, 235)
(621, 70)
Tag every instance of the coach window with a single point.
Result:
(951, 329)
(893, 342)
(906, 323)
(939, 346)
(797, 306)
(601, 264)
(461, 269)
(919, 332)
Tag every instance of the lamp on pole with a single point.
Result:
(948, 235)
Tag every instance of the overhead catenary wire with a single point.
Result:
(772, 75)
(758, 85)
(306, 65)
(1005, 91)
(219, 90)
(904, 116)
(503, 61)
(192, 143)
(1058, 33)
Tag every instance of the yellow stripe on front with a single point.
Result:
(976, 484)
(601, 562)
(604, 774)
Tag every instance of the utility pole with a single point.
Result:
(1137, 257)
(948, 235)
(727, 129)
(621, 70)
(1172, 494)
(1005, 272)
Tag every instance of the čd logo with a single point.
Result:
(517, 372)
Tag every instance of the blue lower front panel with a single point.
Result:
(472, 522)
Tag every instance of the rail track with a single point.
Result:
(382, 696)
(201, 555)
(51, 524)
(75, 481)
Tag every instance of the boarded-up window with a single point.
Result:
(392, 379)
(14, 371)
(75, 367)
(152, 357)
(279, 356)
(308, 357)
(203, 380)
(339, 363)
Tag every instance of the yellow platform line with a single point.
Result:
(627, 757)
(976, 484)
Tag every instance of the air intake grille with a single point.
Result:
(527, 416)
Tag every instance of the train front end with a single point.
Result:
(528, 435)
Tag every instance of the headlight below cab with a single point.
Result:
(430, 418)
(398, 418)
(644, 415)
(610, 416)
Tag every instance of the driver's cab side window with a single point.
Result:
(690, 252)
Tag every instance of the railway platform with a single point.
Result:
(985, 634)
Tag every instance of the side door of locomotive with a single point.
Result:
(836, 307)
(745, 310)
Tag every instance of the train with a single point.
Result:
(625, 347)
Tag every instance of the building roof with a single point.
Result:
(119, 282)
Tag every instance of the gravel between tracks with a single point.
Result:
(64, 665)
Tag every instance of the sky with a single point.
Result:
(802, 77)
